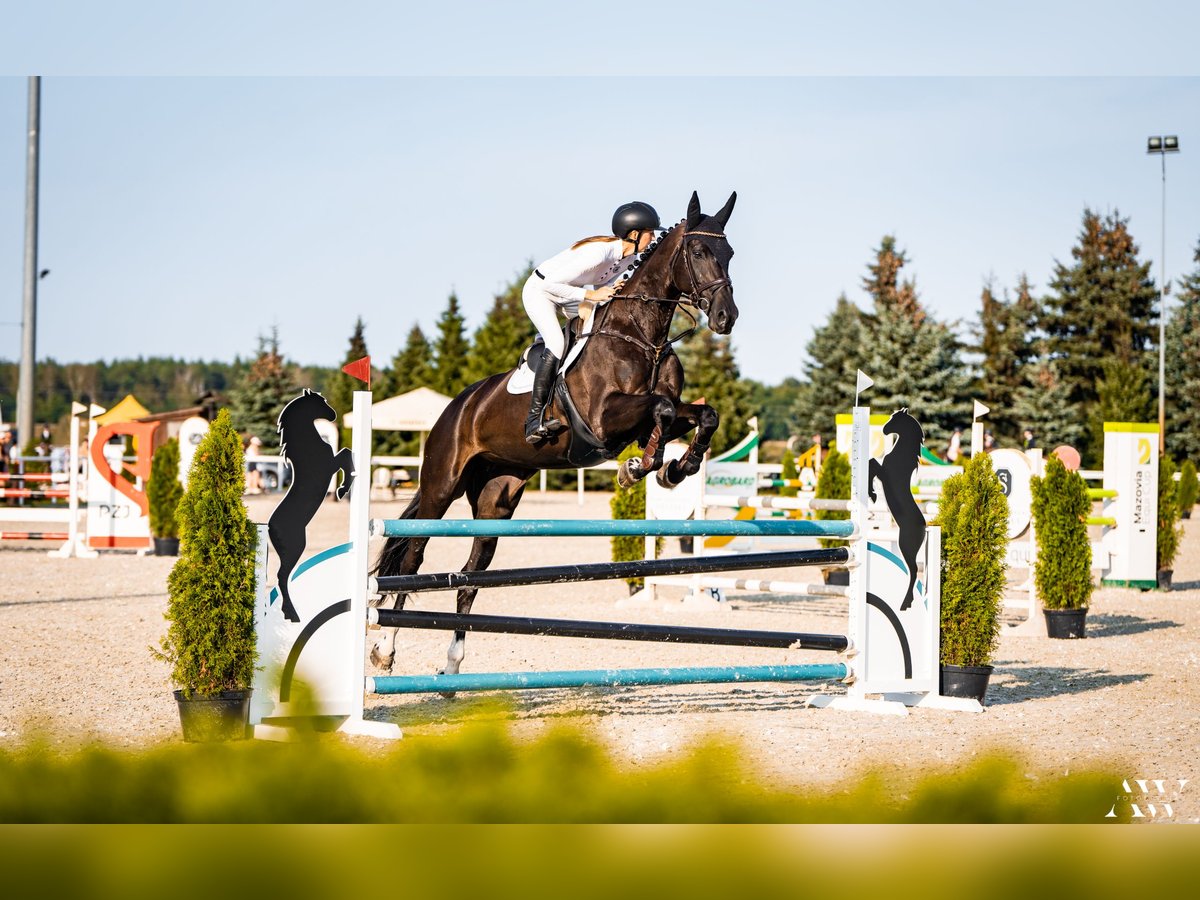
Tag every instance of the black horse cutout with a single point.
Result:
(895, 473)
(626, 385)
(313, 464)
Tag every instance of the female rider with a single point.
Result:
(561, 283)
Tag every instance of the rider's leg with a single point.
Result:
(543, 313)
(543, 382)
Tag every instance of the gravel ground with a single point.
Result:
(75, 638)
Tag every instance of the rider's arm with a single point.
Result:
(565, 274)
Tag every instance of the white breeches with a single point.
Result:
(543, 309)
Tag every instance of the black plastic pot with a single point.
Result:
(965, 681)
(223, 717)
(1187, 514)
(687, 544)
(166, 546)
(1066, 623)
(836, 576)
(1164, 579)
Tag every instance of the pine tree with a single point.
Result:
(1182, 369)
(450, 350)
(339, 390)
(1102, 308)
(1005, 331)
(411, 368)
(835, 354)
(915, 360)
(266, 388)
(504, 334)
(1124, 396)
(1043, 404)
(711, 372)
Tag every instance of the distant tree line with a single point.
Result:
(1060, 362)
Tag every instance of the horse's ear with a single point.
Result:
(726, 210)
(693, 215)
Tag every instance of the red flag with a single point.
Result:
(360, 369)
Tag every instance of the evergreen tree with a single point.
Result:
(774, 405)
(1182, 367)
(411, 368)
(1043, 404)
(711, 372)
(915, 360)
(504, 334)
(835, 354)
(1005, 331)
(265, 389)
(1102, 308)
(450, 350)
(339, 390)
(1124, 396)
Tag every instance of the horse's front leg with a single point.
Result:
(705, 420)
(634, 408)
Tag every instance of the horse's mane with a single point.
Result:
(630, 276)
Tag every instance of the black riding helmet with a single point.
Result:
(635, 216)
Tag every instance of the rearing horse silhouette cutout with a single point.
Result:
(313, 464)
(626, 384)
(895, 474)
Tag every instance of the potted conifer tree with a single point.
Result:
(163, 491)
(211, 594)
(1169, 531)
(833, 484)
(973, 515)
(1063, 570)
(630, 503)
(1189, 489)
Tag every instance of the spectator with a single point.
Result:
(1030, 440)
(5, 445)
(954, 448)
(989, 442)
(254, 483)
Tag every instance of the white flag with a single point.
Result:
(980, 410)
(864, 382)
(95, 410)
(78, 409)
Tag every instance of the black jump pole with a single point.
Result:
(609, 631)
(641, 568)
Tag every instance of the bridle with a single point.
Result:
(698, 297)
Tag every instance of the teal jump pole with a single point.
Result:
(611, 528)
(517, 681)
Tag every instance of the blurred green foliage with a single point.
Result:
(482, 774)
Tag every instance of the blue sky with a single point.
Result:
(188, 215)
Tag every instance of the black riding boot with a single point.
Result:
(543, 381)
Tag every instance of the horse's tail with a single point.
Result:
(391, 558)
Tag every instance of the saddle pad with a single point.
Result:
(521, 380)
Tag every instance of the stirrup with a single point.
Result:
(546, 429)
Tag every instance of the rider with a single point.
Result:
(560, 283)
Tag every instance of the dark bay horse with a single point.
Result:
(626, 385)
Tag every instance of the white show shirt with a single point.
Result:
(595, 263)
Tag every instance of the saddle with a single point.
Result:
(583, 447)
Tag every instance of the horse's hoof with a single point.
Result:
(664, 478)
(446, 695)
(630, 473)
(381, 661)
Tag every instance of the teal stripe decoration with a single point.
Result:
(517, 681)
(611, 528)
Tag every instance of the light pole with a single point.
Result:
(25, 376)
(1162, 145)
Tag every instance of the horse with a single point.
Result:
(895, 473)
(313, 464)
(626, 385)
